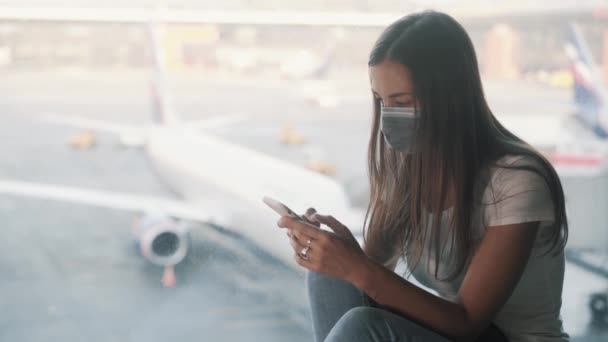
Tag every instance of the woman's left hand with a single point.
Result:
(336, 254)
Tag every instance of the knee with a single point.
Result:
(361, 316)
(315, 280)
(356, 323)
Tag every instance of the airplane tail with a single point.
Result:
(163, 111)
(589, 92)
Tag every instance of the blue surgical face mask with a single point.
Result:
(398, 125)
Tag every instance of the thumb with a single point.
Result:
(308, 217)
(332, 223)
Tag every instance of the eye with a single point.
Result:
(404, 103)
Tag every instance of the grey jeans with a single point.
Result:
(342, 312)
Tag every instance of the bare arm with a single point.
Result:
(491, 277)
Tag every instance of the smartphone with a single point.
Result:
(281, 208)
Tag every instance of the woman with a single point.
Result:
(477, 214)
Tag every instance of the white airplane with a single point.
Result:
(220, 183)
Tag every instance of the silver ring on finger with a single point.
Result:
(303, 253)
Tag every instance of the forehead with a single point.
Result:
(390, 77)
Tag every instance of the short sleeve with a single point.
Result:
(517, 196)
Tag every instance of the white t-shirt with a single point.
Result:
(532, 313)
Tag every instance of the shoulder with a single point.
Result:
(517, 162)
(521, 172)
(517, 190)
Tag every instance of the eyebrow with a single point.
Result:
(394, 94)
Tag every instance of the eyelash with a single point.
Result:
(398, 103)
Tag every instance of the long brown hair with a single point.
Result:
(457, 138)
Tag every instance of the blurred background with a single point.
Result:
(139, 137)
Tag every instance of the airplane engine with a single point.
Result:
(162, 240)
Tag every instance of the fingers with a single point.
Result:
(312, 222)
(304, 262)
(301, 228)
(296, 243)
(298, 247)
(332, 223)
(326, 219)
(317, 219)
(308, 217)
(310, 211)
(302, 239)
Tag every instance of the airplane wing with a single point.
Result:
(207, 123)
(98, 125)
(108, 199)
(215, 122)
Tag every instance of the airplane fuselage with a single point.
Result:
(231, 180)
